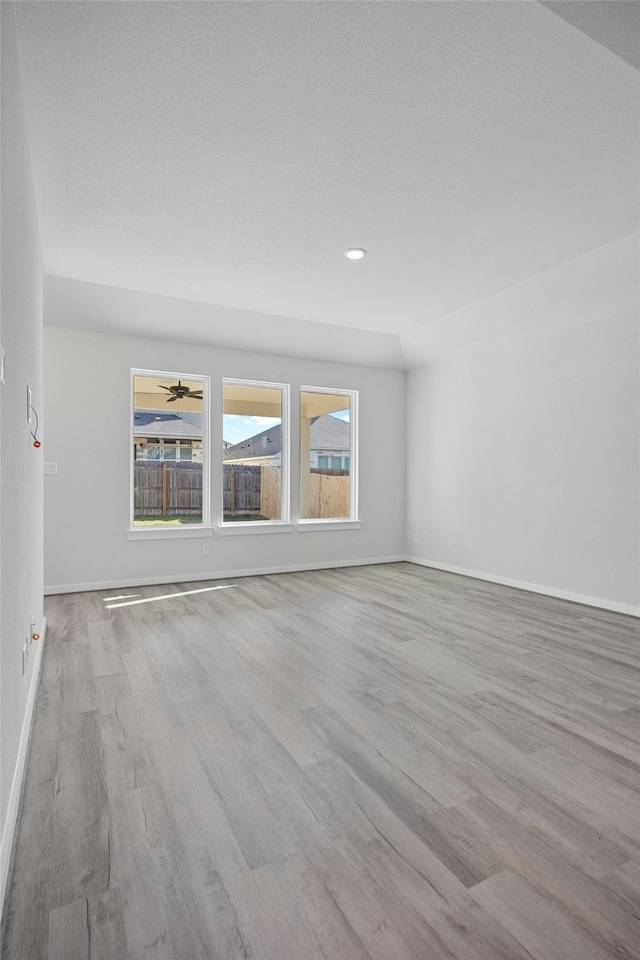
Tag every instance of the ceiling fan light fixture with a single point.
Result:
(355, 253)
(179, 392)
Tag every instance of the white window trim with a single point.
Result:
(268, 526)
(188, 531)
(250, 527)
(162, 531)
(353, 520)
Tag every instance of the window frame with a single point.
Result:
(353, 520)
(231, 527)
(149, 531)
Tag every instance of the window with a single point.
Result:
(328, 422)
(154, 448)
(255, 451)
(169, 485)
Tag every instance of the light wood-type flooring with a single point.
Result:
(371, 763)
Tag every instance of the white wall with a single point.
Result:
(20, 463)
(523, 440)
(87, 501)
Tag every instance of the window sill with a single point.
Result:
(312, 526)
(168, 533)
(246, 527)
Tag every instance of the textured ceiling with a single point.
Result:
(229, 152)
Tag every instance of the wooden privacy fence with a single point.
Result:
(170, 488)
(271, 493)
(252, 490)
(241, 489)
(166, 488)
(328, 495)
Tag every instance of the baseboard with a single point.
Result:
(612, 605)
(11, 820)
(214, 575)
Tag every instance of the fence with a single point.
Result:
(241, 489)
(328, 494)
(271, 493)
(167, 488)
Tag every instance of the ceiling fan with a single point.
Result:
(178, 392)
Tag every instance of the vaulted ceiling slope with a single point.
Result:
(227, 153)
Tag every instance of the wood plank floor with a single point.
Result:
(372, 763)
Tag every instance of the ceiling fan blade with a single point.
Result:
(195, 393)
(172, 399)
(163, 387)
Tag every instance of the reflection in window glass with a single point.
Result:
(254, 451)
(168, 443)
(326, 424)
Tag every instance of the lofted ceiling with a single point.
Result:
(227, 153)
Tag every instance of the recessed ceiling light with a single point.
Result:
(355, 253)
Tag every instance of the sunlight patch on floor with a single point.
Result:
(166, 596)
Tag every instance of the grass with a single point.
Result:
(240, 517)
(167, 521)
(174, 520)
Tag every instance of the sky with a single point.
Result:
(236, 428)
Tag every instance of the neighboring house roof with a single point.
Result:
(150, 424)
(268, 443)
(327, 433)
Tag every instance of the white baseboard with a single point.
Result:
(11, 820)
(613, 605)
(214, 575)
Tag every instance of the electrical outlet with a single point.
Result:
(415, 538)
(50, 466)
(205, 549)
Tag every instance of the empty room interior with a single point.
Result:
(319, 480)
